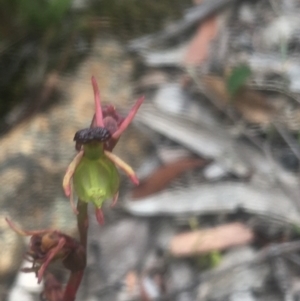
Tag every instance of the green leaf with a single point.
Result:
(237, 79)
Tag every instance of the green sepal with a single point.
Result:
(96, 180)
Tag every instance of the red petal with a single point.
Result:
(128, 118)
(98, 110)
(51, 254)
(99, 216)
(24, 232)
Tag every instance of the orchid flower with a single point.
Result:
(93, 172)
(49, 245)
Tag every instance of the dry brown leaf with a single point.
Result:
(198, 49)
(162, 176)
(252, 105)
(214, 239)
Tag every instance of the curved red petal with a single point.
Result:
(98, 110)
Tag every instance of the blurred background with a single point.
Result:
(215, 145)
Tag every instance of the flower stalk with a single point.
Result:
(76, 277)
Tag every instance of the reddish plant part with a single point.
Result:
(49, 245)
(99, 216)
(108, 117)
(112, 120)
(98, 110)
(73, 285)
(121, 125)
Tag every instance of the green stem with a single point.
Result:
(76, 277)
